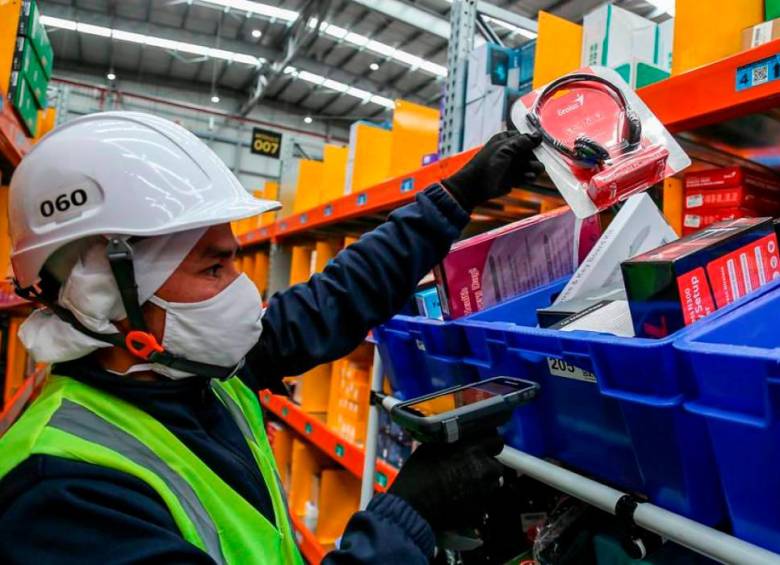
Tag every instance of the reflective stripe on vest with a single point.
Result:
(72, 420)
(77, 420)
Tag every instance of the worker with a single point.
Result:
(147, 442)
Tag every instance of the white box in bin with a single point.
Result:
(637, 228)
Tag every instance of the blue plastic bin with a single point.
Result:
(629, 428)
(735, 367)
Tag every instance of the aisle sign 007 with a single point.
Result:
(266, 142)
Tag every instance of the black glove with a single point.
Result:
(506, 160)
(449, 484)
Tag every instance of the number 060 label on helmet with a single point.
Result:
(67, 202)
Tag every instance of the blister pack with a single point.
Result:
(600, 142)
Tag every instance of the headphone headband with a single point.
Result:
(586, 151)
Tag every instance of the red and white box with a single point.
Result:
(694, 221)
(489, 268)
(729, 177)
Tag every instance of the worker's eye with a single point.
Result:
(214, 270)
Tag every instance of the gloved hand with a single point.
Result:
(448, 484)
(506, 160)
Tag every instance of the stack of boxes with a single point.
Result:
(714, 195)
(637, 48)
(497, 76)
(32, 67)
(349, 395)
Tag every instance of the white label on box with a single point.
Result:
(762, 33)
(694, 201)
(561, 368)
(691, 221)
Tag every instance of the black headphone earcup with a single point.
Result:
(589, 152)
(634, 127)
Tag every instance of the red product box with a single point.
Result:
(684, 281)
(729, 177)
(705, 217)
(489, 268)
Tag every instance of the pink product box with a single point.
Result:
(489, 268)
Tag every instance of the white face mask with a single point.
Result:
(219, 331)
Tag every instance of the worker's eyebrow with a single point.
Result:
(220, 251)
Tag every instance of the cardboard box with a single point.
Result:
(665, 44)
(612, 35)
(684, 281)
(637, 228)
(771, 9)
(732, 176)
(760, 33)
(737, 196)
(488, 65)
(521, 65)
(30, 27)
(489, 268)
(26, 64)
(693, 222)
(638, 73)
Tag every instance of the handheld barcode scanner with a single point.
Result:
(461, 412)
(458, 413)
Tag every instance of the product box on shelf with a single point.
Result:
(31, 27)
(760, 33)
(727, 177)
(638, 73)
(488, 268)
(698, 198)
(686, 280)
(695, 220)
(488, 66)
(611, 35)
(521, 64)
(26, 106)
(27, 65)
(665, 44)
(771, 9)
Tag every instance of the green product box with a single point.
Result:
(26, 106)
(30, 26)
(26, 64)
(771, 9)
(638, 74)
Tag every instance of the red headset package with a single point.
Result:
(600, 142)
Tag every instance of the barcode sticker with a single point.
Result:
(561, 368)
(694, 201)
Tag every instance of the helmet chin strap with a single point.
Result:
(138, 341)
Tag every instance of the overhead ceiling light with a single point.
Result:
(307, 120)
(256, 8)
(320, 80)
(364, 42)
(192, 48)
(512, 28)
(110, 75)
(374, 66)
(256, 33)
(214, 99)
(153, 41)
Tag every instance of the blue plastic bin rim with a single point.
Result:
(698, 327)
(691, 340)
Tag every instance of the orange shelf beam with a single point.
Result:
(14, 143)
(11, 412)
(708, 95)
(346, 453)
(312, 551)
(388, 194)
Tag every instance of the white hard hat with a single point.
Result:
(118, 173)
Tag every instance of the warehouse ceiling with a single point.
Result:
(353, 63)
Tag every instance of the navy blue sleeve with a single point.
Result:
(364, 285)
(68, 512)
(388, 531)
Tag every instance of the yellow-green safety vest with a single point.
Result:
(75, 421)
